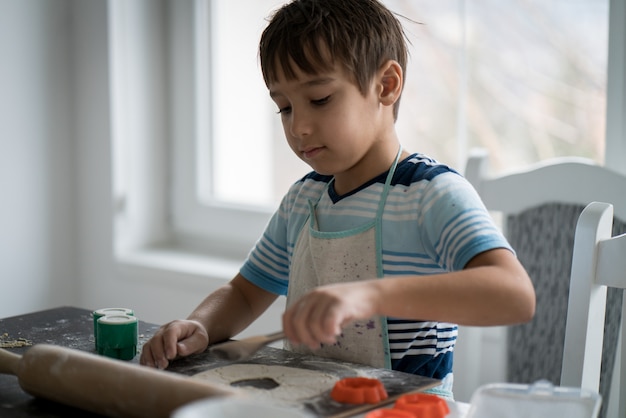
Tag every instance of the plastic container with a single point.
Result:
(236, 408)
(117, 336)
(539, 400)
(389, 413)
(358, 390)
(99, 313)
(457, 410)
(423, 405)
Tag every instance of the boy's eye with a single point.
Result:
(321, 101)
(316, 102)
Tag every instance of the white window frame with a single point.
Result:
(155, 123)
(615, 151)
(156, 97)
(195, 215)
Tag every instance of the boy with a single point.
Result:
(379, 252)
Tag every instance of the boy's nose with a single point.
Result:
(300, 124)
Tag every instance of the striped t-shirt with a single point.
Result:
(433, 222)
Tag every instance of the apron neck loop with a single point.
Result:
(392, 170)
(381, 203)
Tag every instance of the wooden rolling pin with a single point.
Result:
(103, 385)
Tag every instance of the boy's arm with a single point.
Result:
(222, 314)
(231, 308)
(493, 289)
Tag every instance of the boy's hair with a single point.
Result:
(361, 35)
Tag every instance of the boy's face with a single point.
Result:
(332, 126)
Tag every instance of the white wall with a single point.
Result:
(37, 170)
(55, 172)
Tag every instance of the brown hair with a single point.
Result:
(359, 34)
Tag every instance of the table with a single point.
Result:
(65, 326)
(73, 328)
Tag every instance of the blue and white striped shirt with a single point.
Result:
(433, 222)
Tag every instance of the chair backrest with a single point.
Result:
(566, 180)
(599, 263)
(540, 207)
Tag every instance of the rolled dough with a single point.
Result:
(294, 384)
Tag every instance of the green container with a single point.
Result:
(117, 336)
(99, 313)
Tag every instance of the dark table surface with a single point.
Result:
(73, 328)
(66, 326)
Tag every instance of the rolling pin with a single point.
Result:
(102, 385)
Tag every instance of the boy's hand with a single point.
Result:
(319, 316)
(174, 339)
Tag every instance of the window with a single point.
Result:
(525, 79)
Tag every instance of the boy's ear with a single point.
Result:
(391, 79)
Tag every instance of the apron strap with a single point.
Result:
(383, 196)
(379, 258)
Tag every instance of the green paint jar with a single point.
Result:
(117, 336)
(99, 313)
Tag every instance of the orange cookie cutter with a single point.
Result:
(423, 405)
(359, 390)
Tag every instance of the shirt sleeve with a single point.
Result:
(454, 225)
(267, 264)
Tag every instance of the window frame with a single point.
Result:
(231, 227)
(155, 124)
(615, 137)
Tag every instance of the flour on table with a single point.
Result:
(294, 384)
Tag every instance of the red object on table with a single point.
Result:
(423, 405)
(358, 390)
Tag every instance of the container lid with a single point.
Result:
(112, 311)
(389, 413)
(539, 400)
(237, 408)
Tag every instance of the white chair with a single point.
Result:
(568, 180)
(540, 207)
(599, 262)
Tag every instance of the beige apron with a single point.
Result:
(321, 258)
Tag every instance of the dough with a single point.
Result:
(294, 384)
